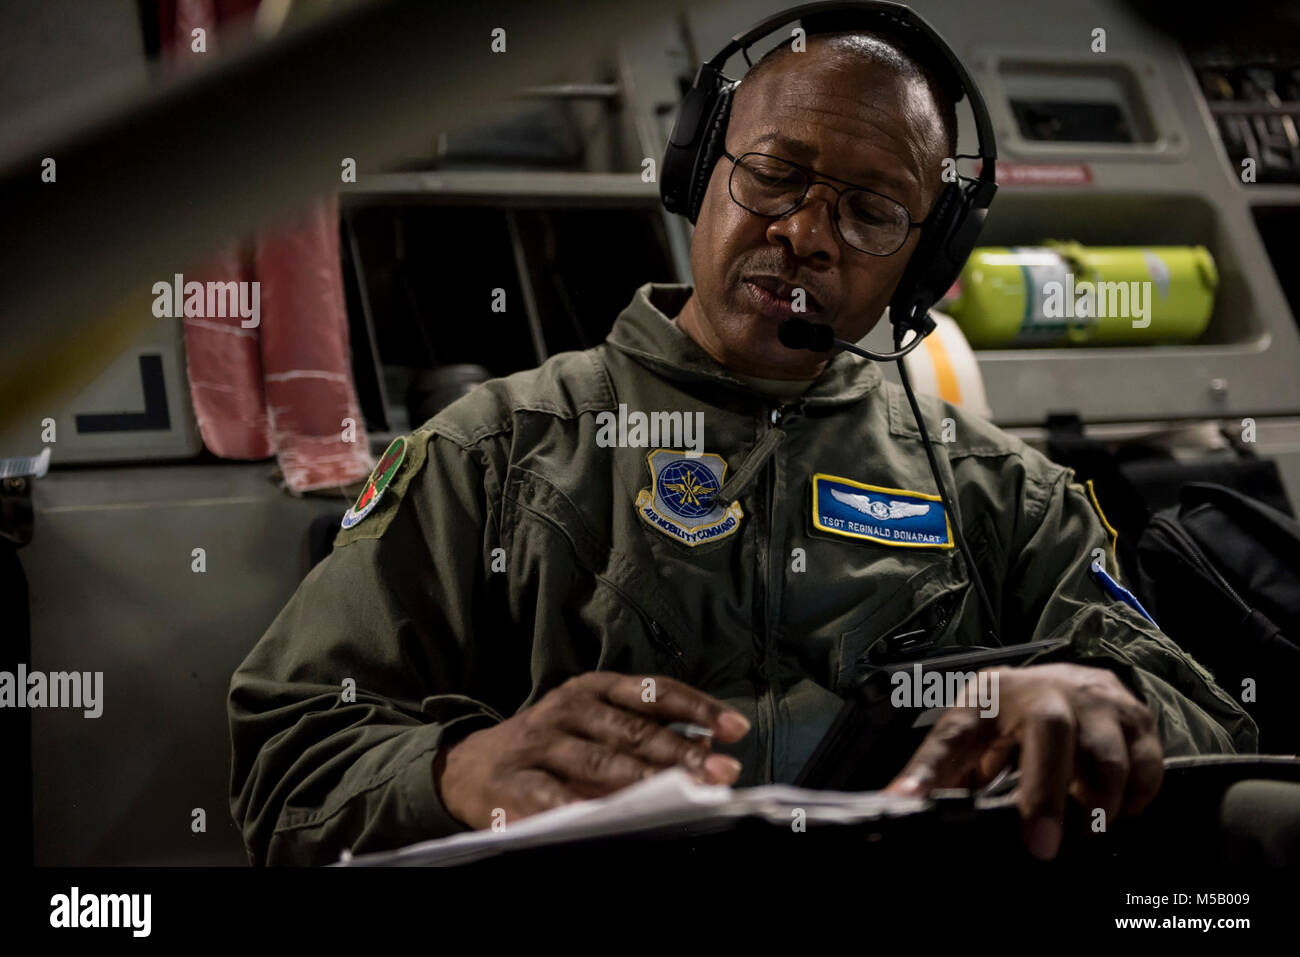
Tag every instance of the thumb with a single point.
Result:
(948, 753)
(907, 783)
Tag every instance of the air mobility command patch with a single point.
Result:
(889, 516)
(379, 480)
(680, 501)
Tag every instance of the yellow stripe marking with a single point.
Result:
(1114, 535)
(945, 375)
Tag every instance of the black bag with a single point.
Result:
(1221, 575)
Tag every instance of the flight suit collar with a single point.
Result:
(645, 331)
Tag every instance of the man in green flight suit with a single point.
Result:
(694, 509)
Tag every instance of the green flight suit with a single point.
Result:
(515, 548)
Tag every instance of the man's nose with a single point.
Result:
(808, 230)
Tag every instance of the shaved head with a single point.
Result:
(847, 46)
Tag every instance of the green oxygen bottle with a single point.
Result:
(1064, 293)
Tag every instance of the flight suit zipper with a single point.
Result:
(659, 635)
(769, 585)
(664, 641)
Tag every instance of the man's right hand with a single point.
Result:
(591, 736)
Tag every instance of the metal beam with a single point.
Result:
(150, 187)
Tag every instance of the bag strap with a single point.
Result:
(1280, 531)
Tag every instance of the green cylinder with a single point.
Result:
(1064, 293)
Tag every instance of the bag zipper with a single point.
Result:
(1194, 553)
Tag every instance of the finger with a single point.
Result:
(590, 767)
(1133, 714)
(1102, 767)
(665, 699)
(1145, 751)
(1046, 768)
(630, 733)
(531, 792)
(995, 759)
(951, 749)
(1146, 770)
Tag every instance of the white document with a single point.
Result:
(667, 800)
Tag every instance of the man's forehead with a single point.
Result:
(805, 103)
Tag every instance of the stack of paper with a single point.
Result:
(669, 799)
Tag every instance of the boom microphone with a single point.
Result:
(796, 333)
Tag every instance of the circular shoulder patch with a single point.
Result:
(379, 480)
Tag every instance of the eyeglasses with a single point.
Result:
(771, 186)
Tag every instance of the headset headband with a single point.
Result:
(899, 15)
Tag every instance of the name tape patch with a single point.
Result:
(890, 516)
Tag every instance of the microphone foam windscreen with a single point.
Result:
(794, 333)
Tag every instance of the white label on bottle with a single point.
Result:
(1047, 309)
(1159, 271)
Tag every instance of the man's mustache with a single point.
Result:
(818, 298)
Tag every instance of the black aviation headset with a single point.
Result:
(950, 230)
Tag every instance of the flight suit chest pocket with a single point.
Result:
(640, 637)
(607, 608)
(644, 628)
(919, 620)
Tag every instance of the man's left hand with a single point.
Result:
(1080, 732)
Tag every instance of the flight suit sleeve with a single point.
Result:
(1050, 592)
(337, 714)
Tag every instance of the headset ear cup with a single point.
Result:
(930, 272)
(681, 153)
(714, 143)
